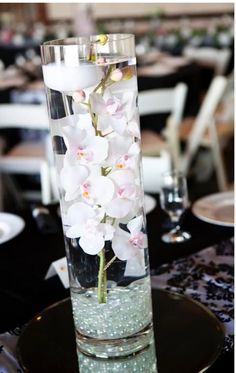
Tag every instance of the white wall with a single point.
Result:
(67, 10)
(60, 11)
(102, 10)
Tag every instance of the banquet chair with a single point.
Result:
(226, 112)
(195, 135)
(212, 57)
(153, 168)
(156, 101)
(27, 157)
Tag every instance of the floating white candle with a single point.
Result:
(71, 78)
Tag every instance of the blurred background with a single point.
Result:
(175, 43)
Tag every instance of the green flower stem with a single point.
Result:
(103, 81)
(105, 171)
(102, 279)
(109, 263)
(102, 275)
(101, 85)
(108, 134)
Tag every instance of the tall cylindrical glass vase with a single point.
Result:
(91, 87)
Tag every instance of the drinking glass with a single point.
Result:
(174, 200)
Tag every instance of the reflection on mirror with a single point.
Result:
(144, 361)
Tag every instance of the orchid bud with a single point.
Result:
(128, 72)
(102, 38)
(79, 96)
(116, 75)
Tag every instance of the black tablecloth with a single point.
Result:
(9, 51)
(203, 235)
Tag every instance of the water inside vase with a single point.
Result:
(122, 323)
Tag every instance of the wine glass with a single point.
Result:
(174, 200)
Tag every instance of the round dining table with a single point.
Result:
(25, 260)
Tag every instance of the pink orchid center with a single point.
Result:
(83, 153)
(85, 189)
(122, 162)
(137, 240)
(121, 191)
(126, 191)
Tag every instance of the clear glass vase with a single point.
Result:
(91, 87)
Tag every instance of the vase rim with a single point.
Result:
(85, 40)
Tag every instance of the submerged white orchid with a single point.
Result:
(129, 159)
(72, 176)
(85, 224)
(118, 146)
(113, 112)
(126, 192)
(133, 126)
(83, 145)
(128, 244)
(79, 180)
(122, 152)
(97, 191)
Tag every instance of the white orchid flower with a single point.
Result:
(97, 191)
(85, 225)
(79, 127)
(84, 145)
(118, 146)
(113, 112)
(122, 152)
(129, 159)
(133, 126)
(125, 194)
(72, 176)
(127, 244)
(85, 181)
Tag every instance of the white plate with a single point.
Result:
(216, 209)
(150, 203)
(10, 226)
